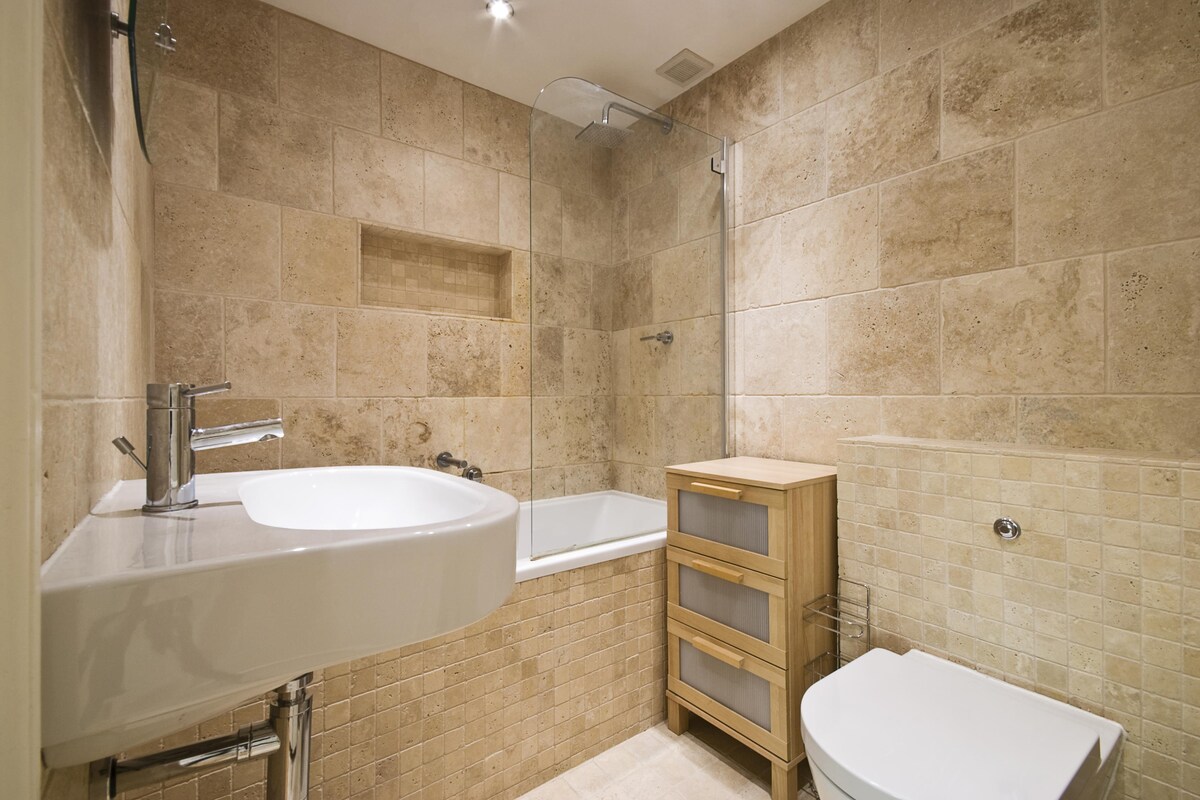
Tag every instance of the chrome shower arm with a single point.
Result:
(666, 122)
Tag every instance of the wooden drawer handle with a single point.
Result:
(724, 573)
(719, 491)
(719, 653)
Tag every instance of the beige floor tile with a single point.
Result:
(703, 764)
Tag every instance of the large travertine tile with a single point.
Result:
(743, 97)
(495, 131)
(378, 179)
(831, 247)
(562, 292)
(701, 355)
(586, 362)
(515, 369)
(1032, 69)
(909, 28)
(686, 281)
(497, 433)
(331, 433)
(571, 430)
(812, 425)
(884, 342)
(633, 429)
(1104, 183)
(828, 51)
(1036, 329)
(546, 219)
(243, 458)
(885, 127)
(757, 264)
(416, 430)
(687, 429)
(464, 357)
(328, 75)
(189, 338)
(320, 259)
(586, 227)
(633, 294)
(75, 228)
(183, 138)
(653, 217)
(58, 466)
(1154, 319)
(985, 419)
(782, 349)
(422, 107)
(272, 154)
(950, 219)
(382, 354)
(280, 349)
(782, 167)
(209, 242)
(514, 211)
(231, 46)
(461, 198)
(520, 303)
(546, 364)
(1150, 45)
(1165, 424)
(758, 426)
(699, 201)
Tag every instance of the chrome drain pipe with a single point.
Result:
(283, 739)
(291, 721)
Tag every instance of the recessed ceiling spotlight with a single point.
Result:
(500, 9)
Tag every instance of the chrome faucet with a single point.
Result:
(471, 473)
(172, 440)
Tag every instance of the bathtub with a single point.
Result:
(585, 529)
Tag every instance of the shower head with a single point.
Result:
(603, 134)
(610, 136)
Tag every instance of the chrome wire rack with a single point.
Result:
(847, 615)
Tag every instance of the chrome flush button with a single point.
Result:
(1007, 528)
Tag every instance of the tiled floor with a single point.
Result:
(703, 764)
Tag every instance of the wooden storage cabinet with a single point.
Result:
(749, 541)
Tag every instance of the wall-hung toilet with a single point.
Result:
(917, 727)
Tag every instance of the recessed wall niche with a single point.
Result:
(413, 271)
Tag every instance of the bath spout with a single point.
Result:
(263, 430)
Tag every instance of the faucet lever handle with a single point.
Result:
(126, 447)
(196, 391)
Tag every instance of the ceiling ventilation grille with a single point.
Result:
(684, 67)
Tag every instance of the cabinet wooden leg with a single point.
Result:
(678, 717)
(785, 783)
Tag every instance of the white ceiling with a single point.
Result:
(616, 43)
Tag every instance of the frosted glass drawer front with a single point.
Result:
(744, 525)
(736, 605)
(737, 690)
(728, 685)
(724, 521)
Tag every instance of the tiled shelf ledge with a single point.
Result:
(418, 272)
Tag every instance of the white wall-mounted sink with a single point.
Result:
(151, 623)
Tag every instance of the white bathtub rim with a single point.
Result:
(529, 569)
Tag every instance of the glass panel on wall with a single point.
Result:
(627, 294)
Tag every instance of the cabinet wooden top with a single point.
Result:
(766, 472)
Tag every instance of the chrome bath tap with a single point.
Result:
(172, 440)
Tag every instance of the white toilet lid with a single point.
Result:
(917, 727)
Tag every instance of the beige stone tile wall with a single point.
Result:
(96, 249)
(1096, 604)
(269, 160)
(968, 220)
(571, 665)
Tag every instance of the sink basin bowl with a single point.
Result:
(357, 499)
(152, 623)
